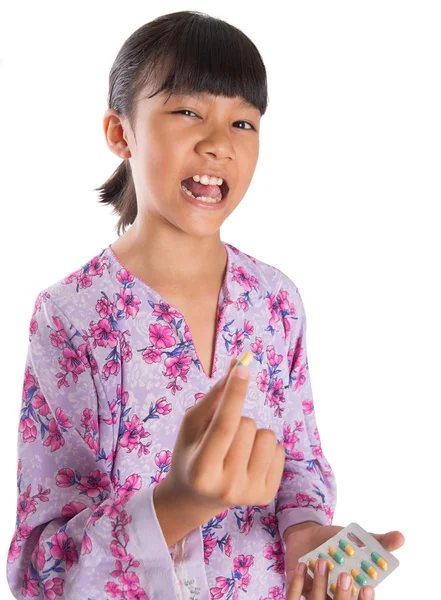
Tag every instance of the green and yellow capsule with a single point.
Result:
(359, 577)
(330, 563)
(379, 560)
(337, 556)
(311, 564)
(333, 588)
(346, 547)
(369, 569)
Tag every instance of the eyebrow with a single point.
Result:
(203, 96)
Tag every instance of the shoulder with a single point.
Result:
(269, 276)
(76, 294)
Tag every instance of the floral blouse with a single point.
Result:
(110, 370)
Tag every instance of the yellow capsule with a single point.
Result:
(336, 555)
(246, 359)
(354, 590)
(311, 564)
(346, 547)
(379, 560)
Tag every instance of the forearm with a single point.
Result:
(298, 527)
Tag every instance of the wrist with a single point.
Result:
(298, 527)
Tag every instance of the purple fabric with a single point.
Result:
(110, 370)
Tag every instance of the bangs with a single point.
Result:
(206, 55)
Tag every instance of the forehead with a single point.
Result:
(205, 97)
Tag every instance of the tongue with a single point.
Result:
(199, 189)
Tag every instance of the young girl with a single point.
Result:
(131, 349)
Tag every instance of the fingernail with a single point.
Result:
(322, 565)
(344, 581)
(241, 371)
(301, 569)
(368, 593)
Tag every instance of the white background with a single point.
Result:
(344, 200)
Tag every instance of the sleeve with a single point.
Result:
(80, 532)
(308, 490)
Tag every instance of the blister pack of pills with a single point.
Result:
(353, 550)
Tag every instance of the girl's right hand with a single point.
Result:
(219, 459)
(319, 587)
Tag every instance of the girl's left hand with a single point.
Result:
(319, 586)
(302, 541)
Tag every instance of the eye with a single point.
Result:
(185, 110)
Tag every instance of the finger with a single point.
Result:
(320, 583)
(225, 422)
(199, 415)
(344, 587)
(296, 586)
(362, 596)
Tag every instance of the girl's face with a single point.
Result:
(218, 134)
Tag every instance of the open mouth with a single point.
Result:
(211, 192)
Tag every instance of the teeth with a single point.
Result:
(206, 180)
(203, 198)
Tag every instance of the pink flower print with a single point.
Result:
(113, 590)
(317, 451)
(105, 308)
(128, 303)
(24, 531)
(301, 378)
(275, 593)
(248, 327)
(248, 520)
(242, 563)
(165, 311)
(54, 587)
(290, 439)
(95, 483)
(129, 581)
(63, 548)
(124, 276)
(163, 459)
(55, 438)
(228, 546)
(138, 594)
(237, 342)
(86, 544)
(257, 346)
(72, 509)
(86, 417)
(65, 478)
(62, 419)
(14, 550)
(273, 307)
(133, 434)
(114, 411)
(307, 407)
(151, 355)
(161, 337)
(58, 336)
(273, 358)
(275, 394)
(242, 304)
(295, 355)
(28, 429)
(26, 505)
(316, 434)
(40, 404)
(243, 278)
(38, 555)
(263, 380)
(103, 334)
(30, 586)
(162, 407)
(177, 366)
(187, 333)
(33, 327)
(131, 485)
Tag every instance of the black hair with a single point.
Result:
(180, 51)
